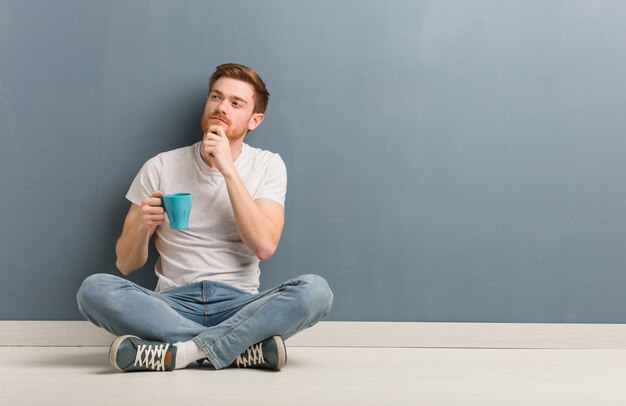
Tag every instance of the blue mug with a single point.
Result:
(177, 206)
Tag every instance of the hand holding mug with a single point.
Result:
(152, 212)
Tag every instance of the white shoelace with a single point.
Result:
(252, 356)
(153, 356)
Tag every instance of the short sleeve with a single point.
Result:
(146, 182)
(274, 185)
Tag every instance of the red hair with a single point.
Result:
(245, 74)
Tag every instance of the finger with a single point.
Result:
(152, 201)
(210, 149)
(211, 136)
(158, 193)
(218, 130)
(153, 211)
(147, 217)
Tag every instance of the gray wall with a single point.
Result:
(448, 160)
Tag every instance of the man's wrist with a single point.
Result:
(141, 228)
(229, 173)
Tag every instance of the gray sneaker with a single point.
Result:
(130, 353)
(268, 354)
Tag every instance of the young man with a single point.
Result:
(206, 304)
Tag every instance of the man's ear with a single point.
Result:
(255, 121)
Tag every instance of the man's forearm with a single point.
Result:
(255, 229)
(132, 248)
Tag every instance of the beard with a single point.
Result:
(231, 133)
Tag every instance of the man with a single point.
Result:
(206, 304)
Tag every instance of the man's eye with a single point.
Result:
(237, 105)
(213, 97)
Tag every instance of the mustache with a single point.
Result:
(204, 122)
(220, 117)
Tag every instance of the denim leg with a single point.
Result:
(123, 307)
(221, 320)
(285, 310)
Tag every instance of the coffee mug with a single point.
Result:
(177, 206)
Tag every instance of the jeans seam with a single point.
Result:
(230, 306)
(205, 347)
(209, 354)
(157, 296)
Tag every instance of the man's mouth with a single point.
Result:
(220, 120)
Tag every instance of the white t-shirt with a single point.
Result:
(211, 248)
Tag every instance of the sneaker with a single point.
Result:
(130, 353)
(268, 354)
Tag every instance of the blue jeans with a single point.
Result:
(221, 319)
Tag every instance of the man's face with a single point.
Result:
(230, 105)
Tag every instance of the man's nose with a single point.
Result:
(221, 108)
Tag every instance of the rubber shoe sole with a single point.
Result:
(113, 351)
(282, 352)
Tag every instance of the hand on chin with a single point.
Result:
(216, 149)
